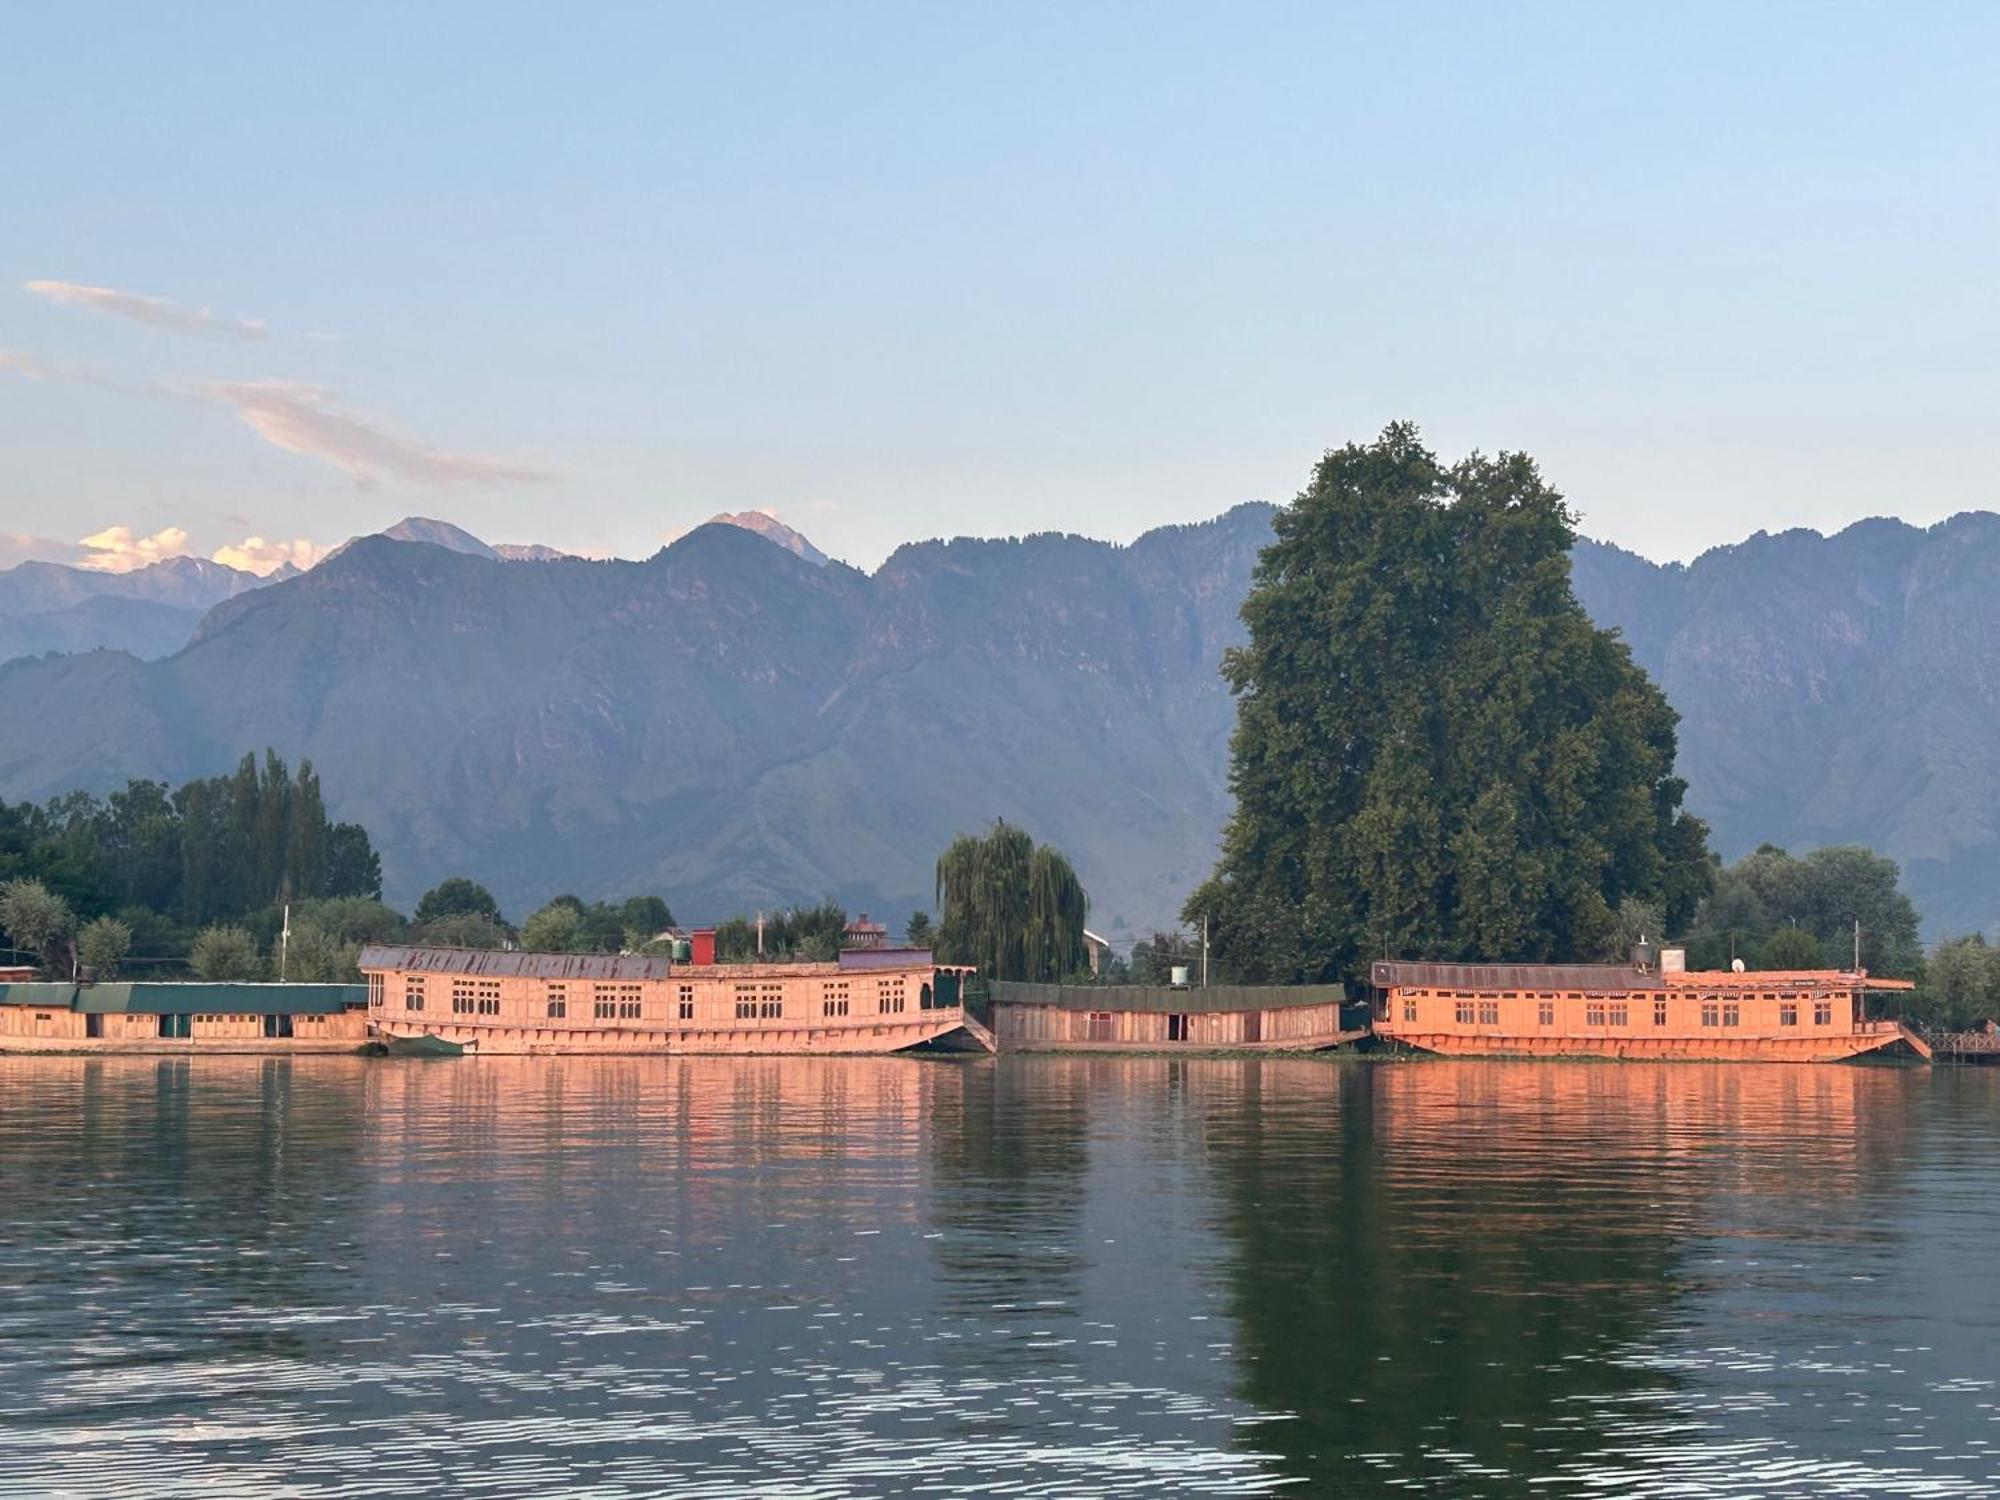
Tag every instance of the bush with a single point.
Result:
(226, 953)
(101, 946)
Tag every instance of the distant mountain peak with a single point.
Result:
(439, 534)
(772, 530)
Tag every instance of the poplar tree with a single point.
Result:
(1437, 755)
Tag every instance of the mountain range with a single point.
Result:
(740, 722)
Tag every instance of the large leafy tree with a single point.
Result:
(1823, 894)
(1436, 753)
(1012, 908)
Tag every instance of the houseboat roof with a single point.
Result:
(497, 963)
(1596, 978)
(1611, 979)
(1161, 997)
(169, 998)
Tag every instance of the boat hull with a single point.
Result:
(1830, 1047)
(872, 1037)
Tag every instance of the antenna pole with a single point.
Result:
(1204, 950)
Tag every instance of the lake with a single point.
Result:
(1035, 1276)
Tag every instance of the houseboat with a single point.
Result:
(1150, 1018)
(1644, 1009)
(180, 1018)
(872, 999)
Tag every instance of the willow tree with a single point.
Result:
(1012, 909)
(1437, 755)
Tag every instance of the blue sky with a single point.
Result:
(586, 275)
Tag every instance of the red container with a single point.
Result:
(704, 944)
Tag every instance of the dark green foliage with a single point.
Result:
(101, 946)
(226, 952)
(454, 897)
(1011, 908)
(1791, 948)
(569, 924)
(805, 934)
(918, 932)
(462, 929)
(1822, 894)
(1154, 959)
(38, 921)
(1961, 985)
(1436, 754)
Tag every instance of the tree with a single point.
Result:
(1436, 755)
(1791, 948)
(101, 946)
(556, 928)
(1010, 908)
(1634, 922)
(316, 956)
(223, 952)
(457, 897)
(644, 918)
(918, 932)
(464, 929)
(1825, 893)
(39, 921)
(350, 919)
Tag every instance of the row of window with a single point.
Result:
(1618, 1013)
(757, 1001)
(182, 1027)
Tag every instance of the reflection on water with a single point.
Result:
(1041, 1275)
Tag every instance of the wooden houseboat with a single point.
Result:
(874, 999)
(1150, 1018)
(1644, 1009)
(179, 1018)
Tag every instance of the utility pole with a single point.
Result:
(1857, 945)
(760, 934)
(285, 942)
(1204, 950)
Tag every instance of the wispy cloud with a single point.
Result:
(118, 549)
(254, 554)
(157, 312)
(303, 419)
(17, 547)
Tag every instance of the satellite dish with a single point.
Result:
(1736, 966)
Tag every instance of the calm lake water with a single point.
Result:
(1035, 1276)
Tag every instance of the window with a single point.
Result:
(1732, 1013)
(558, 1002)
(374, 991)
(1711, 1013)
(1822, 1012)
(889, 996)
(1489, 1013)
(631, 1002)
(746, 1002)
(176, 1026)
(685, 1004)
(1463, 1012)
(833, 997)
(413, 992)
(1100, 1026)
(486, 997)
(1409, 1010)
(1545, 1013)
(1177, 1028)
(461, 997)
(1618, 1015)
(1593, 1013)
(1659, 1012)
(924, 1001)
(276, 1026)
(1788, 1015)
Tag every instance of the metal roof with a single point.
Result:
(1161, 997)
(495, 963)
(1595, 978)
(161, 997)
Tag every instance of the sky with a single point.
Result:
(274, 276)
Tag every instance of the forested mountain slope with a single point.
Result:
(733, 725)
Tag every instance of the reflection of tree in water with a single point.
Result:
(156, 1197)
(1434, 1260)
(1009, 1161)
